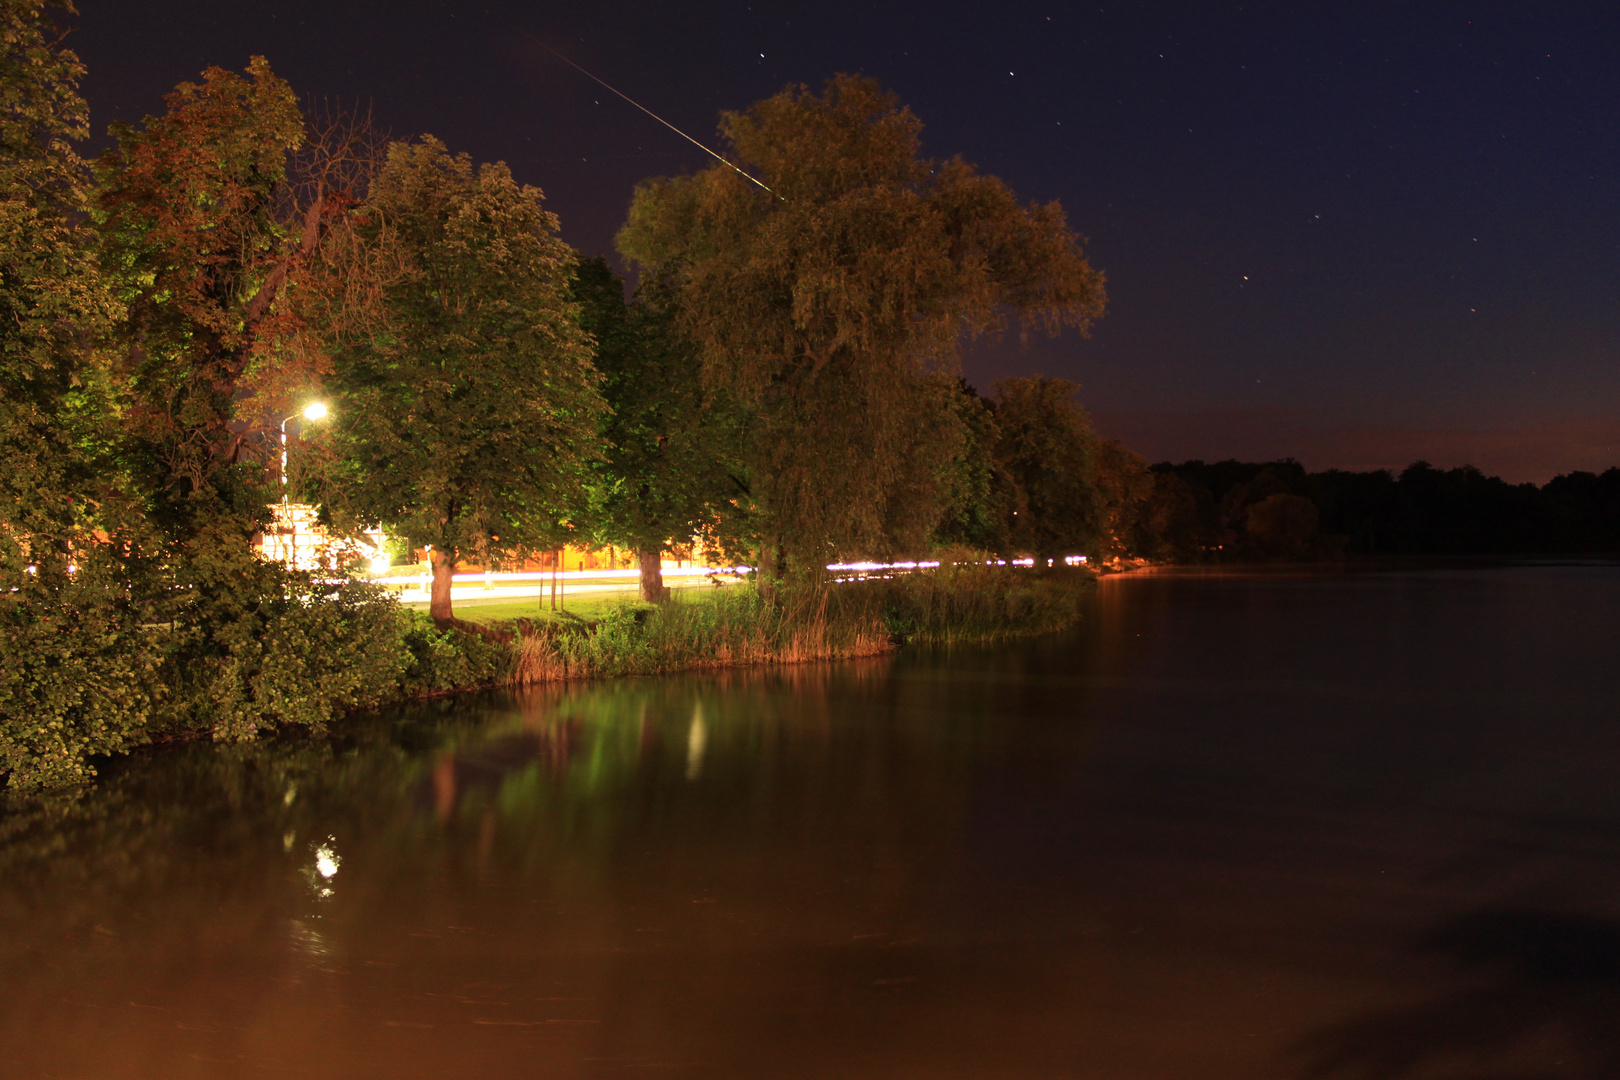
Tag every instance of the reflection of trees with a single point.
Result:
(1550, 997)
(559, 844)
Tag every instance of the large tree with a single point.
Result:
(189, 212)
(831, 302)
(465, 408)
(75, 663)
(979, 511)
(668, 472)
(1048, 448)
(54, 306)
(227, 227)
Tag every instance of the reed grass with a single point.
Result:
(737, 626)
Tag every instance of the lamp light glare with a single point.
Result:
(315, 411)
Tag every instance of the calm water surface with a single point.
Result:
(1237, 825)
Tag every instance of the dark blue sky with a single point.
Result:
(1352, 233)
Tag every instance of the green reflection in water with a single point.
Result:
(724, 850)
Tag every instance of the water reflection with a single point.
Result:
(697, 737)
(1197, 837)
(1545, 986)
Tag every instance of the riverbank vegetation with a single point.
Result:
(778, 382)
(91, 688)
(780, 385)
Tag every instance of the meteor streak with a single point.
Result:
(656, 117)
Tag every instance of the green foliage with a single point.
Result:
(974, 602)
(282, 648)
(54, 308)
(829, 305)
(152, 330)
(465, 414)
(671, 444)
(51, 298)
(186, 209)
(439, 661)
(88, 669)
(737, 625)
(79, 674)
(978, 513)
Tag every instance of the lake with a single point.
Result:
(1237, 824)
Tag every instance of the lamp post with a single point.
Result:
(313, 411)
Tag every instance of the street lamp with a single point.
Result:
(315, 410)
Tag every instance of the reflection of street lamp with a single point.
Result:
(313, 411)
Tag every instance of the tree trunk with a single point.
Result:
(439, 604)
(653, 590)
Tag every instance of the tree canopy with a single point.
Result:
(1046, 444)
(668, 473)
(833, 301)
(466, 409)
(54, 307)
(192, 238)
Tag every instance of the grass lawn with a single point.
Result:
(592, 606)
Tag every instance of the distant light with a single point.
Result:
(315, 411)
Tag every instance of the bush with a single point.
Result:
(438, 661)
(89, 668)
(305, 652)
(79, 676)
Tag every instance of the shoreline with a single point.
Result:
(365, 655)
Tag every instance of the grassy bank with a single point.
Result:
(78, 685)
(736, 626)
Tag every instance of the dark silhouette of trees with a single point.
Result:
(980, 494)
(1046, 445)
(1423, 511)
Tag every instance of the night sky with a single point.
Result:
(1352, 233)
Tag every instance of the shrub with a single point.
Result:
(79, 676)
(86, 669)
(437, 661)
(303, 654)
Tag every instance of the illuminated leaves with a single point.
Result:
(466, 405)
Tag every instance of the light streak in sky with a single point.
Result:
(735, 168)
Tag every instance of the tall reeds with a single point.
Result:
(735, 626)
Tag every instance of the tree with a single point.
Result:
(980, 505)
(831, 302)
(465, 408)
(1125, 489)
(667, 473)
(54, 307)
(75, 663)
(1048, 448)
(188, 209)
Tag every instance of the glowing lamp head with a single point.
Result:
(315, 411)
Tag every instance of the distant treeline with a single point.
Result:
(1235, 510)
